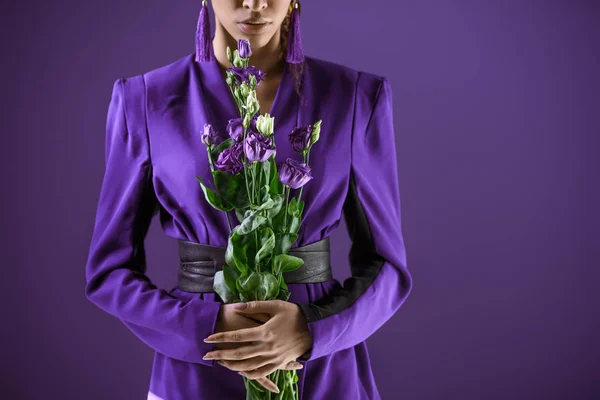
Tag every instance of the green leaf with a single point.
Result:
(239, 214)
(300, 207)
(269, 286)
(251, 221)
(282, 284)
(265, 245)
(266, 203)
(250, 285)
(231, 275)
(284, 241)
(267, 169)
(232, 188)
(259, 285)
(287, 263)
(294, 224)
(221, 288)
(292, 205)
(275, 185)
(284, 293)
(222, 146)
(235, 254)
(276, 207)
(278, 220)
(214, 199)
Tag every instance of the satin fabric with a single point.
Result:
(153, 154)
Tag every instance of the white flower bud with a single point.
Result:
(252, 105)
(264, 124)
(316, 132)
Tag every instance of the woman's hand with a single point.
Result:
(270, 346)
(229, 319)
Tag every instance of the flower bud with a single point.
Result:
(230, 79)
(247, 120)
(229, 55)
(252, 105)
(237, 61)
(244, 48)
(209, 136)
(264, 124)
(244, 90)
(316, 132)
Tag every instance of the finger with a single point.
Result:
(239, 353)
(258, 317)
(292, 365)
(261, 306)
(261, 372)
(256, 363)
(249, 364)
(268, 384)
(240, 335)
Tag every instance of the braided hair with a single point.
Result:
(297, 69)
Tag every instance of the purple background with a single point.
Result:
(497, 116)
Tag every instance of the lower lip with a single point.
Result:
(253, 29)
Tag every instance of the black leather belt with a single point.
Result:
(198, 264)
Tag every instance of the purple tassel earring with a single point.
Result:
(294, 54)
(204, 48)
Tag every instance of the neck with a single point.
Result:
(267, 58)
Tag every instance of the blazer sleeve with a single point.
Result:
(116, 265)
(380, 280)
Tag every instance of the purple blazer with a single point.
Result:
(153, 154)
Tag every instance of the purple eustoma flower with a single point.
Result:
(294, 173)
(235, 127)
(242, 74)
(244, 49)
(209, 136)
(258, 147)
(300, 137)
(230, 159)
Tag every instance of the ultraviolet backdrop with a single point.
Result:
(496, 115)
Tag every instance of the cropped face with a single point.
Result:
(258, 21)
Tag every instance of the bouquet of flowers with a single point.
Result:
(246, 179)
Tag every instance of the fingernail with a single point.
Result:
(207, 357)
(240, 306)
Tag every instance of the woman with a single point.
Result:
(153, 154)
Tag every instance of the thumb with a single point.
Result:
(259, 306)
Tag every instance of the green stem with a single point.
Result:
(254, 194)
(246, 172)
(228, 221)
(287, 196)
(306, 162)
(259, 164)
(278, 380)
